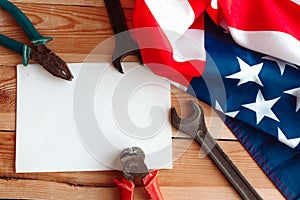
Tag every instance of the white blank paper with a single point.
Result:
(84, 124)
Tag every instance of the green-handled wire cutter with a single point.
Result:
(40, 53)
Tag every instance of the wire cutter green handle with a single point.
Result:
(16, 46)
(35, 37)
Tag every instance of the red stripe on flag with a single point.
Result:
(267, 15)
(157, 51)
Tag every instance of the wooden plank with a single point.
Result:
(210, 193)
(53, 190)
(189, 170)
(7, 98)
(23, 189)
(60, 19)
(91, 3)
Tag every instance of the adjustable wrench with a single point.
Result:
(124, 44)
(195, 127)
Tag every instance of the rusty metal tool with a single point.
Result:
(124, 44)
(40, 53)
(133, 160)
(195, 127)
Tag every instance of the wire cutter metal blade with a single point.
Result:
(51, 62)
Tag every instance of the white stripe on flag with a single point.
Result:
(277, 44)
(174, 18)
(173, 15)
(214, 4)
(189, 46)
(296, 1)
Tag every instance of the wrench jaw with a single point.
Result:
(117, 59)
(175, 119)
(125, 46)
(117, 64)
(192, 125)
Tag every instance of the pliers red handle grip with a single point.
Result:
(133, 162)
(126, 188)
(150, 183)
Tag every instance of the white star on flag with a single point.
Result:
(262, 107)
(248, 73)
(290, 142)
(281, 63)
(295, 92)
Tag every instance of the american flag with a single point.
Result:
(241, 57)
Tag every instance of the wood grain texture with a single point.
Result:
(92, 3)
(78, 26)
(7, 98)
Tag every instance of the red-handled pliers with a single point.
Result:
(133, 160)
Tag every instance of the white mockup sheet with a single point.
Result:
(84, 124)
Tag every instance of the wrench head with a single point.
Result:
(192, 124)
(125, 46)
(118, 59)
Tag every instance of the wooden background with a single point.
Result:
(77, 27)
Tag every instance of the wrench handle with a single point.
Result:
(125, 45)
(226, 166)
(116, 16)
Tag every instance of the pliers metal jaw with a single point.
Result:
(51, 62)
(133, 160)
(40, 53)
